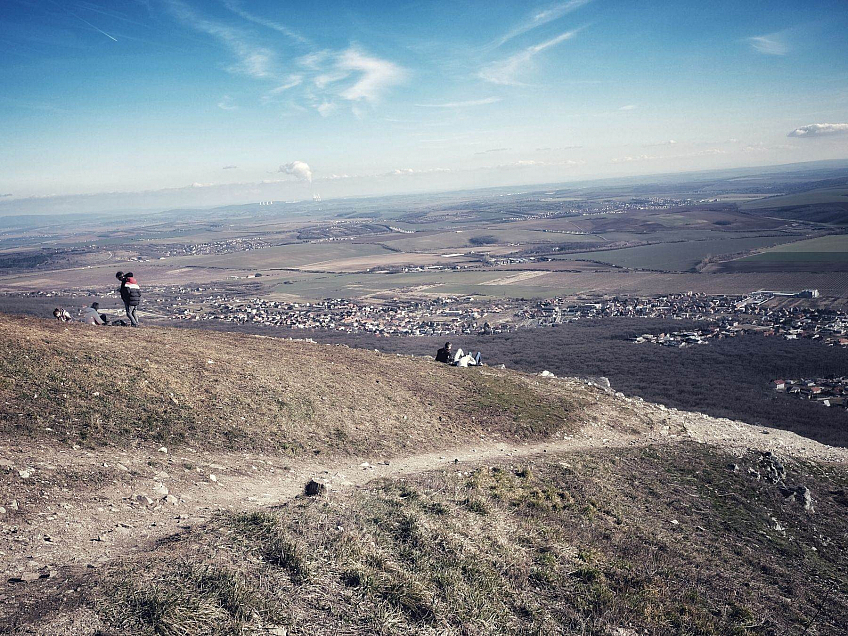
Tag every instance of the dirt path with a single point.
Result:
(81, 508)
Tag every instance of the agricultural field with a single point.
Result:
(812, 197)
(823, 254)
(677, 256)
(636, 239)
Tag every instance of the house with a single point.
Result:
(780, 385)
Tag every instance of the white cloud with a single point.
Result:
(770, 44)
(330, 77)
(820, 130)
(505, 71)
(543, 17)
(409, 172)
(226, 103)
(670, 142)
(532, 163)
(299, 169)
(292, 81)
(634, 158)
(253, 60)
(376, 75)
(472, 102)
(325, 109)
(236, 8)
(628, 107)
(314, 60)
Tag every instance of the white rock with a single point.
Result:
(162, 449)
(14, 504)
(212, 477)
(160, 489)
(24, 474)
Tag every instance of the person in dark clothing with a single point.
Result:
(130, 294)
(445, 354)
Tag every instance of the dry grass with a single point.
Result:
(577, 545)
(79, 384)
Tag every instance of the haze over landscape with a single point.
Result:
(423, 318)
(185, 103)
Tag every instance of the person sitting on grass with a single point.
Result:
(92, 316)
(445, 354)
(61, 315)
(458, 359)
(461, 359)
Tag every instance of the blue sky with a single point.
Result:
(242, 99)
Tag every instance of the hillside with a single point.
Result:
(153, 484)
(114, 386)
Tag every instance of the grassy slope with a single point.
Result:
(570, 544)
(573, 544)
(96, 386)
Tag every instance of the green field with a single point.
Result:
(832, 248)
(679, 256)
(830, 243)
(294, 255)
(822, 195)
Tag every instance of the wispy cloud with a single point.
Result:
(629, 107)
(465, 104)
(505, 71)
(819, 130)
(544, 16)
(229, 167)
(490, 150)
(770, 44)
(74, 15)
(3, 196)
(376, 75)
(253, 60)
(409, 172)
(631, 159)
(226, 103)
(292, 81)
(352, 74)
(325, 109)
(235, 7)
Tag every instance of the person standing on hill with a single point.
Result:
(130, 294)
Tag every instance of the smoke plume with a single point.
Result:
(299, 169)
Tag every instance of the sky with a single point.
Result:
(190, 102)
